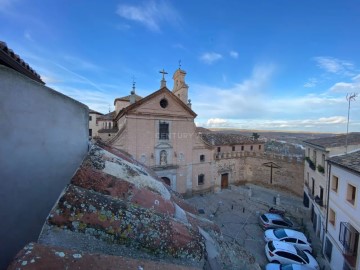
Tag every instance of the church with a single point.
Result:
(159, 131)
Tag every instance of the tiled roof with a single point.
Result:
(116, 206)
(335, 141)
(218, 139)
(127, 98)
(92, 111)
(108, 116)
(108, 130)
(350, 161)
(35, 256)
(12, 60)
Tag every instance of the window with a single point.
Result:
(202, 158)
(259, 147)
(251, 147)
(351, 194)
(332, 217)
(313, 186)
(242, 148)
(90, 132)
(233, 148)
(334, 183)
(163, 131)
(163, 103)
(90, 117)
(323, 160)
(219, 149)
(321, 193)
(201, 179)
(328, 249)
(314, 157)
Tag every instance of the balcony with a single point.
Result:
(349, 238)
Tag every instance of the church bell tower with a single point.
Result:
(180, 88)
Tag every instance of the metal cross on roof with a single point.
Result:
(179, 64)
(163, 73)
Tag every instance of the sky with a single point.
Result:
(250, 64)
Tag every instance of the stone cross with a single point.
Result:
(163, 73)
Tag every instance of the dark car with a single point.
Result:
(273, 221)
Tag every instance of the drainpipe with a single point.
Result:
(328, 197)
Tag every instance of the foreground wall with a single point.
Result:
(44, 137)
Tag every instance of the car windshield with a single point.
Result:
(271, 245)
(280, 233)
(302, 255)
(286, 267)
(264, 218)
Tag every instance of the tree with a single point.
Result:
(255, 136)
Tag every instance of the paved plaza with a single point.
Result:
(236, 211)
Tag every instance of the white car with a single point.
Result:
(293, 237)
(284, 253)
(276, 266)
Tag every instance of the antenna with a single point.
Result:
(349, 98)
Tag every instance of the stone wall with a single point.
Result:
(250, 168)
(44, 137)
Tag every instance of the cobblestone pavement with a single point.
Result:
(236, 211)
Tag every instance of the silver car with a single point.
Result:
(273, 221)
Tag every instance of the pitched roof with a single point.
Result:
(95, 112)
(218, 139)
(149, 97)
(350, 161)
(335, 141)
(108, 116)
(127, 98)
(12, 60)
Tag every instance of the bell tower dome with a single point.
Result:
(180, 88)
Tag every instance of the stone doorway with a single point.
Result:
(224, 180)
(166, 180)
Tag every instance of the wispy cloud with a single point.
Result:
(346, 87)
(149, 13)
(234, 54)
(210, 57)
(335, 66)
(312, 82)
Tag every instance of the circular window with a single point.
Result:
(163, 103)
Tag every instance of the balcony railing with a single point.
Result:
(349, 238)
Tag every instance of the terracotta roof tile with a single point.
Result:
(350, 161)
(335, 141)
(218, 139)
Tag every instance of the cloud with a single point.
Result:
(335, 66)
(149, 13)
(210, 57)
(217, 122)
(312, 82)
(234, 54)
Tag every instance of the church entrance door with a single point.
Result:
(224, 180)
(166, 180)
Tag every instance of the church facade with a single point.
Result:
(159, 131)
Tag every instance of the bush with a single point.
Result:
(320, 169)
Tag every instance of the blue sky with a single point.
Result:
(274, 65)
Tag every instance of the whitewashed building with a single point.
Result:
(341, 247)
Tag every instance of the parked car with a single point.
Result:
(293, 237)
(273, 221)
(284, 253)
(293, 266)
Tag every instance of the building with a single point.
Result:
(159, 131)
(316, 186)
(341, 247)
(93, 123)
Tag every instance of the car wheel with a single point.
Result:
(275, 261)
